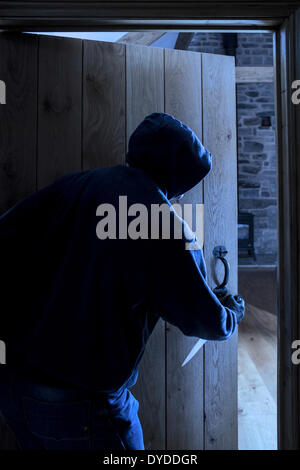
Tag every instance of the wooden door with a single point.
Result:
(72, 105)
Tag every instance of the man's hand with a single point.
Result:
(235, 303)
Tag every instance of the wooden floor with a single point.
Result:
(257, 380)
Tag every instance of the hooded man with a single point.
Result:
(77, 310)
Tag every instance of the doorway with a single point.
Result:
(164, 46)
(284, 19)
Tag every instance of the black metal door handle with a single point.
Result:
(220, 252)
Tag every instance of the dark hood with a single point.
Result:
(169, 152)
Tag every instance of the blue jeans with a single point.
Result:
(47, 417)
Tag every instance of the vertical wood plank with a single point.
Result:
(103, 104)
(144, 84)
(183, 99)
(18, 69)
(220, 228)
(59, 108)
(144, 95)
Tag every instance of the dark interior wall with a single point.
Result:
(258, 286)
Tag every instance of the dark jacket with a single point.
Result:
(82, 308)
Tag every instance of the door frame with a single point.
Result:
(275, 16)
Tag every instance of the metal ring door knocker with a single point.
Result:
(220, 252)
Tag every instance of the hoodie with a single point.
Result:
(81, 308)
(169, 152)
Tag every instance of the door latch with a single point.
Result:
(220, 252)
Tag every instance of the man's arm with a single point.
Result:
(181, 295)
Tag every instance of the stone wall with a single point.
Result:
(256, 143)
(211, 43)
(257, 163)
(253, 49)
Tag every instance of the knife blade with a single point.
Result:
(198, 345)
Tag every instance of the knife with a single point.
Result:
(219, 252)
(198, 345)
